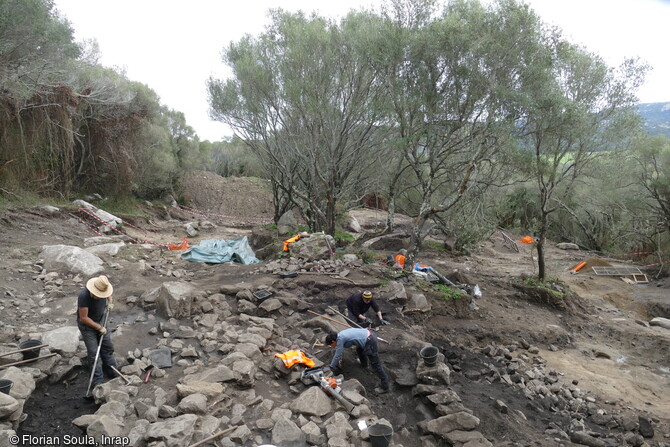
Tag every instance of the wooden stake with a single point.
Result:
(124, 377)
(328, 318)
(29, 360)
(21, 350)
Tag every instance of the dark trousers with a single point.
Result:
(91, 339)
(371, 353)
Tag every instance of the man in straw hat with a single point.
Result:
(92, 303)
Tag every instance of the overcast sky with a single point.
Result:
(174, 46)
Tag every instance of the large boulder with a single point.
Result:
(66, 258)
(418, 301)
(458, 421)
(287, 434)
(64, 339)
(288, 220)
(8, 405)
(109, 219)
(174, 432)
(23, 383)
(393, 242)
(317, 246)
(660, 322)
(394, 291)
(351, 224)
(313, 402)
(111, 249)
(175, 300)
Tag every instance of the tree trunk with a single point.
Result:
(330, 215)
(390, 215)
(415, 239)
(541, 266)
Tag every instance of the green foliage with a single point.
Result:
(343, 238)
(549, 285)
(70, 125)
(127, 205)
(233, 157)
(450, 293)
(368, 256)
(303, 97)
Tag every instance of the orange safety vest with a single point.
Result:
(295, 238)
(399, 261)
(290, 358)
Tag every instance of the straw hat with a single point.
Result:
(100, 287)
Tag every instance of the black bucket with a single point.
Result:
(429, 355)
(5, 385)
(32, 353)
(380, 435)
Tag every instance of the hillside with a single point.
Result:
(656, 117)
(525, 366)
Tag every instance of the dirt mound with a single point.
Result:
(237, 197)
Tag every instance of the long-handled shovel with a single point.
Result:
(97, 355)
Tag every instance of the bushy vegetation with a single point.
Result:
(68, 125)
(468, 116)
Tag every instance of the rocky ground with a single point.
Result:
(574, 365)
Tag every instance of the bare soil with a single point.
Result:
(595, 336)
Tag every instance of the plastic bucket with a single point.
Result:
(5, 385)
(429, 355)
(380, 435)
(33, 353)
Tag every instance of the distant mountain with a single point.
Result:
(656, 116)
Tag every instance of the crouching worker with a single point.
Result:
(365, 342)
(93, 303)
(359, 303)
(399, 260)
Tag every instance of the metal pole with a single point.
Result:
(97, 354)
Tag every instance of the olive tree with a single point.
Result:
(302, 96)
(454, 80)
(575, 107)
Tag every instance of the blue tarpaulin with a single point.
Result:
(217, 251)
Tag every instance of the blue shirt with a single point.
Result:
(346, 339)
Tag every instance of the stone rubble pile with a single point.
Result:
(520, 366)
(222, 343)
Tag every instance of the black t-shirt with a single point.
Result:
(357, 306)
(96, 306)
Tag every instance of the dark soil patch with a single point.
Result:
(52, 407)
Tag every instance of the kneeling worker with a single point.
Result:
(365, 342)
(359, 303)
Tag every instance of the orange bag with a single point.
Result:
(527, 240)
(182, 246)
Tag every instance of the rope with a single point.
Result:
(87, 225)
(137, 241)
(222, 216)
